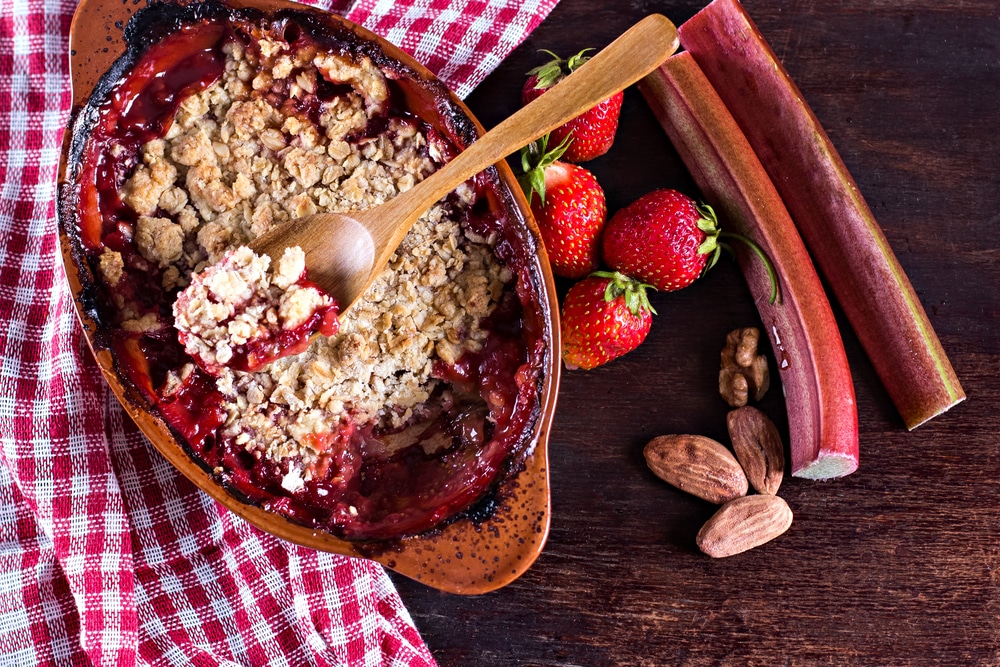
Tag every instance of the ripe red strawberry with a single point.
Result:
(663, 238)
(604, 316)
(593, 132)
(568, 204)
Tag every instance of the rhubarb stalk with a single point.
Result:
(829, 211)
(819, 392)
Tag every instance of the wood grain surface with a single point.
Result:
(895, 565)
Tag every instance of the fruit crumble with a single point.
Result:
(240, 314)
(420, 400)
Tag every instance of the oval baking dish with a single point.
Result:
(417, 433)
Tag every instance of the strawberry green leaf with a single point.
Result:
(548, 74)
(575, 61)
(713, 260)
(633, 291)
(708, 245)
(708, 222)
(535, 158)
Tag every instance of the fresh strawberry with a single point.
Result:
(663, 238)
(593, 132)
(667, 240)
(604, 316)
(569, 206)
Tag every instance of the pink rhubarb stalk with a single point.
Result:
(829, 211)
(819, 392)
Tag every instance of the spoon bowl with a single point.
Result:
(340, 251)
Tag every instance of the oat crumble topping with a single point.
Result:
(238, 160)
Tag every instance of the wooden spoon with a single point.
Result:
(346, 252)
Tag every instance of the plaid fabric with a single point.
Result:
(107, 555)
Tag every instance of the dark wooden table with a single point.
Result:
(898, 564)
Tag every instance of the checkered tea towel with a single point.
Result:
(107, 555)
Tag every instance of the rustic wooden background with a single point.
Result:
(895, 565)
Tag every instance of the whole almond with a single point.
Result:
(696, 464)
(758, 447)
(744, 523)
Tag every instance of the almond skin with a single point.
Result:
(698, 465)
(758, 447)
(744, 523)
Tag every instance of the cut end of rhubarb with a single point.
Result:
(914, 419)
(828, 467)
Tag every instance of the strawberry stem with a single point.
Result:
(757, 250)
(709, 224)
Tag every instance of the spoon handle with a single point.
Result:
(632, 56)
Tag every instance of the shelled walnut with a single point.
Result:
(744, 373)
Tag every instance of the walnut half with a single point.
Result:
(744, 373)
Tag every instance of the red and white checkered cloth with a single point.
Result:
(107, 555)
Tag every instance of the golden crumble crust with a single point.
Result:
(235, 162)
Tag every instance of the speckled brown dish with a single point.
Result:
(464, 556)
